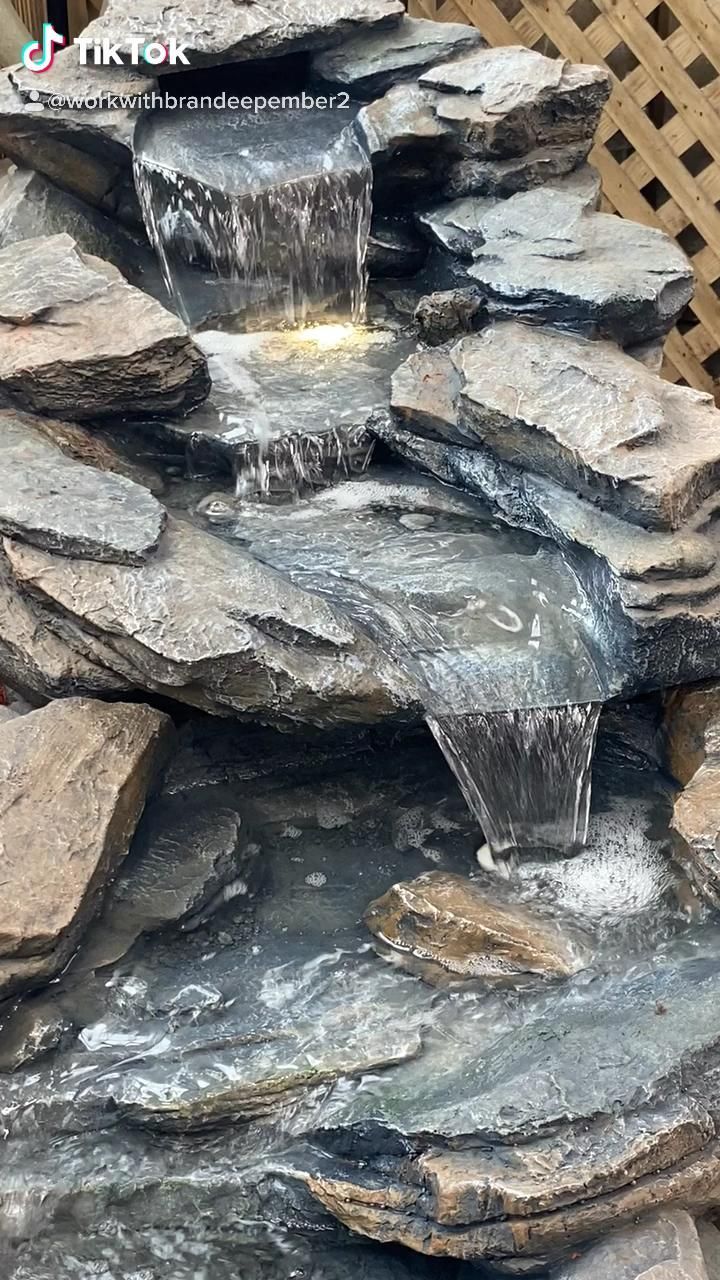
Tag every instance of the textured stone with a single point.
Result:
(205, 623)
(52, 501)
(74, 780)
(372, 62)
(545, 259)
(665, 1246)
(77, 341)
(85, 150)
(448, 313)
(223, 33)
(652, 456)
(32, 206)
(693, 738)
(29, 1032)
(394, 249)
(445, 925)
(502, 178)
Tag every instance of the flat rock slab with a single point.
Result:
(372, 62)
(545, 259)
(665, 1246)
(75, 776)
(78, 341)
(205, 623)
(455, 927)
(582, 413)
(502, 178)
(215, 34)
(52, 501)
(334, 377)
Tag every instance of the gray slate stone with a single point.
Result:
(86, 150)
(223, 33)
(665, 1246)
(206, 624)
(77, 341)
(581, 413)
(31, 206)
(372, 62)
(395, 248)
(545, 259)
(502, 178)
(52, 501)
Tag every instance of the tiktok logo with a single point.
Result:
(39, 55)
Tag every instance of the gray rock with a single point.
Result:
(84, 150)
(32, 206)
(370, 63)
(215, 35)
(448, 313)
(709, 1237)
(127, 355)
(30, 1031)
(52, 501)
(244, 427)
(394, 249)
(205, 623)
(502, 178)
(527, 394)
(463, 226)
(693, 746)
(75, 778)
(665, 1245)
(544, 259)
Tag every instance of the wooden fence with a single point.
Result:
(658, 147)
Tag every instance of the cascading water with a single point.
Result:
(525, 774)
(260, 219)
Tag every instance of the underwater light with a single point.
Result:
(326, 335)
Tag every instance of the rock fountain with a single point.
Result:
(316, 596)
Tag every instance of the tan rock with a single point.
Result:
(447, 925)
(73, 782)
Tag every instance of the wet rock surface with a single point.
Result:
(75, 778)
(76, 340)
(370, 63)
(213, 36)
(441, 925)
(666, 1245)
(693, 739)
(52, 501)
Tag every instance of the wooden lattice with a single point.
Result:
(658, 146)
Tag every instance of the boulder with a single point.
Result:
(370, 63)
(213, 34)
(499, 179)
(446, 927)
(50, 500)
(78, 341)
(666, 1246)
(528, 394)
(693, 748)
(75, 776)
(205, 623)
(31, 206)
(85, 148)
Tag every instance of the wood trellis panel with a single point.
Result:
(658, 146)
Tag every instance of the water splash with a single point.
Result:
(525, 774)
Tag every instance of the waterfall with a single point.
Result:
(258, 220)
(525, 774)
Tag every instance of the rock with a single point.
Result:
(665, 1245)
(244, 426)
(450, 925)
(29, 1032)
(545, 260)
(54, 502)
(84, 150)
(709, 1238)
(693, 738)
(449, 313)
(31, 206)
(499, 179)
(370, 63)
(205, 623)
(212, 36)
(75, 777)
(652, 457)
(463, 226)
(127, 354)
(394, 249)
